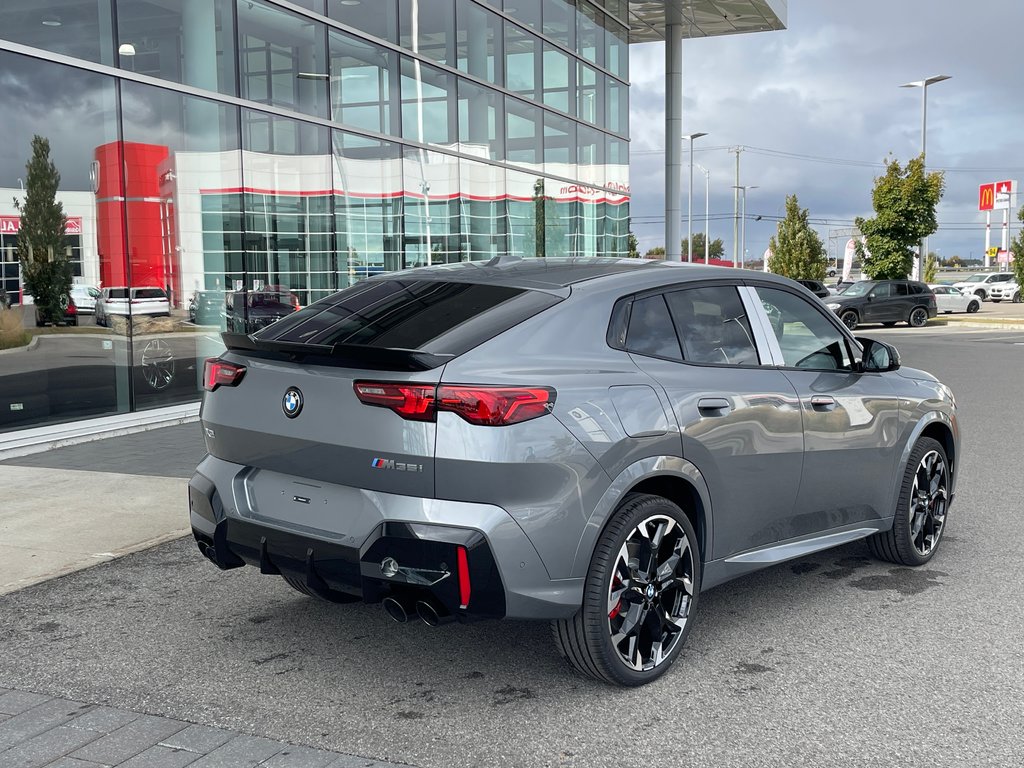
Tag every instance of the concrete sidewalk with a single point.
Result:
(73, 507)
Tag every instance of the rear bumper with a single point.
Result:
(409, 550)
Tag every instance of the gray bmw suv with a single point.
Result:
(591, 442)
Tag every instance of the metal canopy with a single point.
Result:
(704, 18)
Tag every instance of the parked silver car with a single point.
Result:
(592, 442)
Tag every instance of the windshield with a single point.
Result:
(974, 279)
(859, 289)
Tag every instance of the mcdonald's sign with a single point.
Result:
(986, 197)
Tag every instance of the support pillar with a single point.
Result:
(673, 141)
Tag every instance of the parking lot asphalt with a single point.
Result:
(832, 659)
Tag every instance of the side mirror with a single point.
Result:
(878, 356)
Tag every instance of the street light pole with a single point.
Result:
(743, 220)
(689, 198)
(918, 266)
(707, 212)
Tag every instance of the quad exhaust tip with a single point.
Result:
(432, 614)
(397, 609)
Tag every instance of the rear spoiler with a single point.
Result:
(348, 355)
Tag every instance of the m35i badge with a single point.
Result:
(291, 404)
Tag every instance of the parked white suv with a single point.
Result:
(145, 300)
(981, 283)
(1008, 290)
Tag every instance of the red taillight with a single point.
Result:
(72, 309)
(464, 590)
(410, 401)
(219, 373)
(483, 405)
(495, 406)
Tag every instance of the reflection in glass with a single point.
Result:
(560, 21)
(479, 121)
(559, 145)
(522, 55)
(482, 210)
(367, 213)
(288, 195)
(427, 27)
(374, 17)
(523, 132)
(78, 372)
(363, 84)
(586, 93)
(283, 58)
(431, 232)
(191, 42)
(70, 27)
(556, 79)
(427, 97)
(589, 33)
(478, 41)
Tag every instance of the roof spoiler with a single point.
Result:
(348, 355)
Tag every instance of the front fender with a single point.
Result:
(926, 420)
(628, 478)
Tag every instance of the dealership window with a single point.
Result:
(480, 121)
(522, 58)
(427, 27)
(368, 206)
(590, 33)
(69, 27)
(560, 21)
(587, 93)
(478, 39)
(559, 145)
(378, 18)
(363, 84)
(523, 132)
(482, 210)
(556, 79)
(616, 106)
(428, 96)
(283, 58)
(431, 233)
(191, 43)
(616, 49)
(526, 12)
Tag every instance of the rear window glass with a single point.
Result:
(426, 315)
(150, 293)
(118, 293)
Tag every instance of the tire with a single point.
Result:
(849, 319)
(1016, 298)
(981, 294)
(299, 585)
(901, 544)
(918, 317)
(974, 306)
(664, 605)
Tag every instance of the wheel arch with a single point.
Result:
(671, 477)
(938, 426)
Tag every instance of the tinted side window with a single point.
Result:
(117, 293)
(650, 329)
(807, 338)
(713, 326)
(882, 290)
(900, 289)
(150, 293)
(918, 288)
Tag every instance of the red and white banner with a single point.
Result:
(9, 225)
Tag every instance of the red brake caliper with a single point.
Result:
(618, 606)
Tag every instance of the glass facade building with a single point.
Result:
(260, 148)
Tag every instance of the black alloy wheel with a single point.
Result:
(921, 510)
(849, 319)
(640, 596)
(918, 317)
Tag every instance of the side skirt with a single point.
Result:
(719, 571)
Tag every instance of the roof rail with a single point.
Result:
(506, 258)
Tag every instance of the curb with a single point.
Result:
(25, 442)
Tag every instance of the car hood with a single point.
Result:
(915, 374)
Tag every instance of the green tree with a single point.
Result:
(715, 250)
(797, 250)
(931, 267)
(904, 199)
(632, 245)
(657, 252)
(540, 217)
(1017, 249)
(45, 268)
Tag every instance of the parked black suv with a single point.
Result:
(885, 301)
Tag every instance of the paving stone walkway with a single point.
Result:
(38, 731)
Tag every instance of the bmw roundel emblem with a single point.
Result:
(291, 404)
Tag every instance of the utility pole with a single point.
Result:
(736, 211)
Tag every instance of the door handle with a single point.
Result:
(713, 406)
(824, 402)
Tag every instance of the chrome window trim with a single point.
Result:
(764, 336)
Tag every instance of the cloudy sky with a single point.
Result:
(827, 88)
